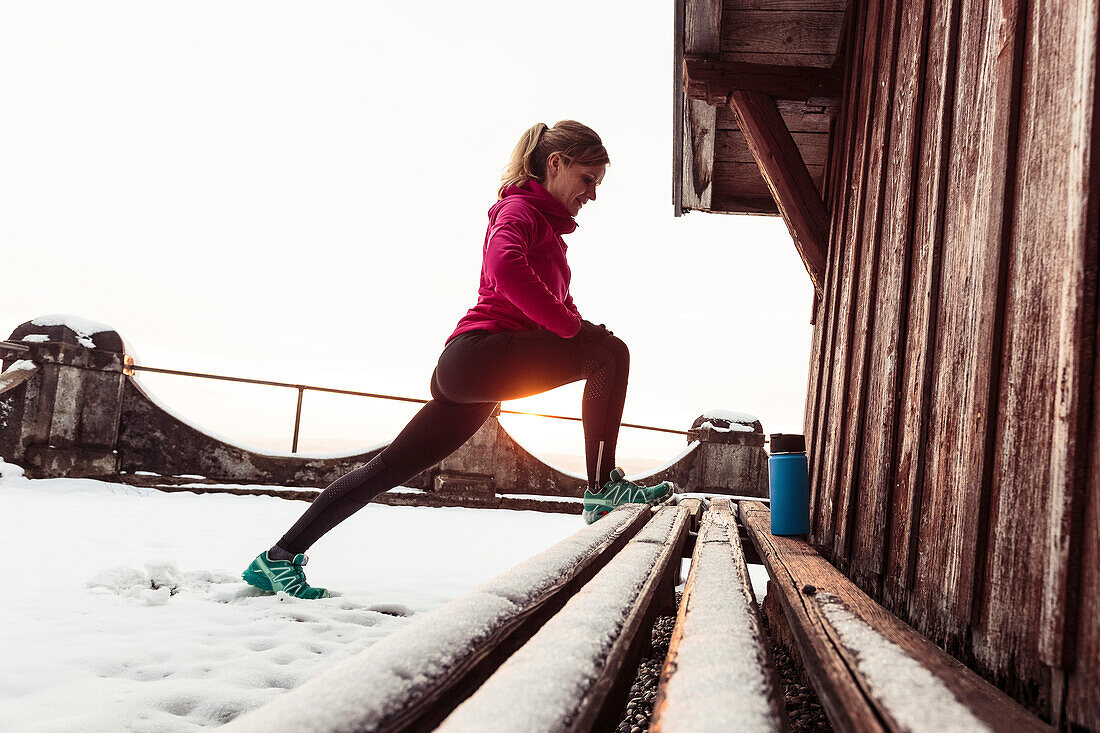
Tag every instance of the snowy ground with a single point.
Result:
(124, 610)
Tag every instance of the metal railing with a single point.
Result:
(131, 368)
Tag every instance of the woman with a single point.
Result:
(523, 337)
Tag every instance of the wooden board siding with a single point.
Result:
(967, 347)
(849, 230)
(1043, 264)
(867, 514)
(926, 248)
(1082, 703)
(841, 154)
(869, 242)
(953, 412)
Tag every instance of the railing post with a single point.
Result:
(297, 419)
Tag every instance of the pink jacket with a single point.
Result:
(524, 274)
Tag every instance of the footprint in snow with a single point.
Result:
(392, 609)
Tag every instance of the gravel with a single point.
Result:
(803, 707)
(639, 705)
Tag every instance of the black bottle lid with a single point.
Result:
(787, 443)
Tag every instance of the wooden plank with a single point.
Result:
(1082, 699)
(797, 116)
(712, 81)
(731, 203)
(868, 238)
(878, 460)
(825, 319)
(709, 625)
(810, 590)
(1082, 706)
(781, 31)
(602, 704)
(731, 147)
(846, 236)
(744, 179)
(836, 6)
(1061, 60)
(450, 674)
(593, 676)
(679, 107)
(818, 60)
(821, 491)
(702, 26)
(930, 186)
(787, 177)
(698, 156)
(967, 347)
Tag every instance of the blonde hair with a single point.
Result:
(574, 142)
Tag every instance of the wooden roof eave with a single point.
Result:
(708, 80)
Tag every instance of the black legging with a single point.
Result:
(476, 371)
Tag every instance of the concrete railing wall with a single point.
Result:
(81, 415)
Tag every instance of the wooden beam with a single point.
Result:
(714, 81)
(785, 173)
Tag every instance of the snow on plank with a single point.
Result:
(870, 669)
(19, 372)
(411, 679)
(573, 673)
(718, 675)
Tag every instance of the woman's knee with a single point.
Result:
(612, 351)
(618, 350)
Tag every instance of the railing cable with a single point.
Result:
(356, 393)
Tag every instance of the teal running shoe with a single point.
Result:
(282, 575)
(619, 491)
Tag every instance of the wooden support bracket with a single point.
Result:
(714, 82)
(785, 173)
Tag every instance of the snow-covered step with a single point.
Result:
(574, 673)
(871, 670)
(411, 679)
(718, 675)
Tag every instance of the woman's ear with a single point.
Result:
(553, 165)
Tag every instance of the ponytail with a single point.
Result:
(574, 142)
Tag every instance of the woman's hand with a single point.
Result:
(592, 332)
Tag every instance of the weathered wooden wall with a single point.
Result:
(953, 411)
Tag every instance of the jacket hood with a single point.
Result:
(534, 193)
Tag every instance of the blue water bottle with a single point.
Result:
(790, 485)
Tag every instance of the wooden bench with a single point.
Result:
(871, 671)
(554, 643)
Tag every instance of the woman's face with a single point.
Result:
(572, 185)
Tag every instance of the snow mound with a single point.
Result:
(731, 416)
(10, 473)
(160, 581)
(80, 326)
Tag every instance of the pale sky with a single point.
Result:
(298, 192)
